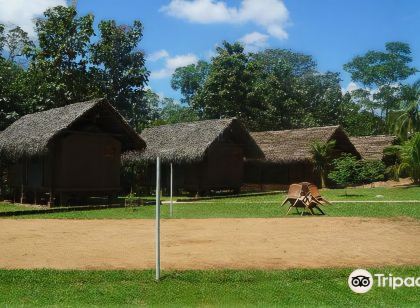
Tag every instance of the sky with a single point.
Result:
(181, 32)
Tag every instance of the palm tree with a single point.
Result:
(321, 155)
(410, 158)
(407, 121)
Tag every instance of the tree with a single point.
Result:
(18, 43)
(383, 71)
(11, 75)
(224, 93)
(190, 79)
(58, 69)
(406, 122)
(353, 112)
(410, 158)
(120, 69)
(173, 112)
(2, 39)
(344, 171)
(12, 101)
(321, 155)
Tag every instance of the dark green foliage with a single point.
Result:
(120, 69)
(382, 71)
(377, 68)
(321, 155)
(58, 74)
(410, 158)
(348, 170)
(271, 90)
(65, 67)
(189, 79)
(371, 171)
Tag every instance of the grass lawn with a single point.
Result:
(268, 206)
(308, 287)
(8, 207)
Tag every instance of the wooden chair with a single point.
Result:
(294, 193)
(317, 196)
(304, 201)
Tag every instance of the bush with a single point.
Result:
(410, 158)
(347, 170)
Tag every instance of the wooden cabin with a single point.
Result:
(372, 147)
(206, 155)
(68, 152)
(287, 156)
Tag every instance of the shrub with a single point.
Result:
(371, 171)
(410, 158)
(347, 170)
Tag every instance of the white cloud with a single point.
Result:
(22, 12)
(270, 14)
(172, 63)
(350, 87)
(254, 41)
(160, 54)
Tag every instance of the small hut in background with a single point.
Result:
(206, 155)
(372, 147)
(68, 152)
(288, 158)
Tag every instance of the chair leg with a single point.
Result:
(290, 207)
(311, 210)
(319, 209)
(284, 202)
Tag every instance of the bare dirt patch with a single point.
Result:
(310, 242)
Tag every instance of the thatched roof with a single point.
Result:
(32, 134)
(372, 147)
(293, 145)
(189, 142)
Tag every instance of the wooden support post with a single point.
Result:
(51, 200)
(21, 194)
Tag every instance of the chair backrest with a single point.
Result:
(295, 191)
(305, 187)
(314, 191)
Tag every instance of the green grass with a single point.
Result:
(8, 207)
(295, 287)
(268, 206)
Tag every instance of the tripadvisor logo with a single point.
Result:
(361, 281)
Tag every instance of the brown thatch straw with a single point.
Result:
(293, 145)
(189, 142)
(32, 134)
(372, 147)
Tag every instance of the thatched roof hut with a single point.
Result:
(206, 155)
(288, 158)
(69, 151)
(189, 142)
(372, 147)
(293, 145)
(32, 134)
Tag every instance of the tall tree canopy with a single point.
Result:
(120, 69)
(189, 79)
(65, 66)
(382, 71)
(58, 72)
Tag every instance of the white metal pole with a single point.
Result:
(171, 210)
(157, 218)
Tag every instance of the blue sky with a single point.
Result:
(332, 31)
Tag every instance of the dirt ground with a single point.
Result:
(210, 243)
